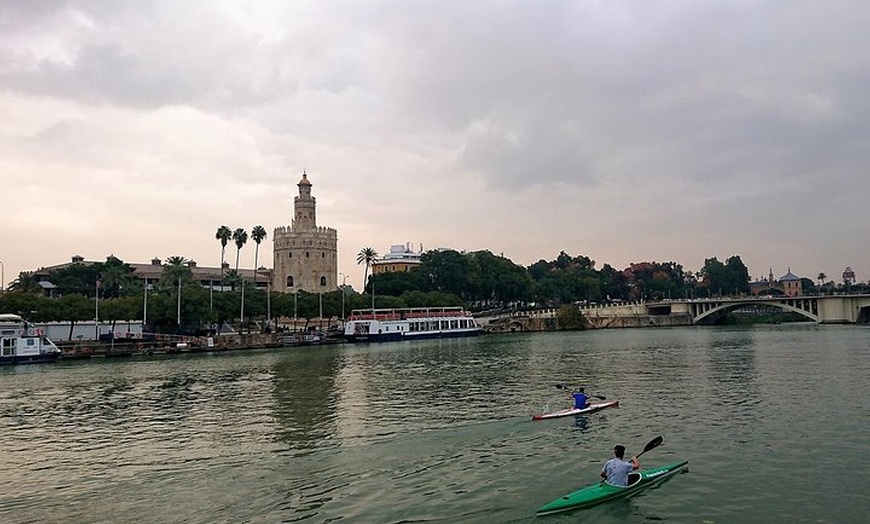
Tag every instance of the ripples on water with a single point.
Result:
(440, 431)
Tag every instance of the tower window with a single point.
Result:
(323, 255)
(306, 254)
(323, 281)
(290, 255)
(290, 281)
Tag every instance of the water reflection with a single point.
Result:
(581, 423)
(304, 398)
(732, 374)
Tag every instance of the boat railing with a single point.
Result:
(399, 314)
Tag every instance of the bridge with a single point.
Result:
(822, 309)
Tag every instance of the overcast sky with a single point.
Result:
(623, 131)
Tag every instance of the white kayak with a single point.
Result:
(591, 408)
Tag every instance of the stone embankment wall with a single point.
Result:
(518, 324)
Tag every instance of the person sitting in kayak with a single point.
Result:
(616, 470)
(581, 399)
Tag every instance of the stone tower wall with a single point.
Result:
(305, 257)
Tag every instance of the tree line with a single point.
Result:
(177, 303)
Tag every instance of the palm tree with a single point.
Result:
(176, 269)
(258, 233)
(114, 276)
(821, 278)
(224, 234)
(25, 283)
(240, 237)
(367, 256)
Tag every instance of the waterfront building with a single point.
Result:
(305, 254)
(791, 284)
(848, 276)
(788, 285)
(400, 258)
(150, 273)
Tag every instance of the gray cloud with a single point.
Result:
(740, 124)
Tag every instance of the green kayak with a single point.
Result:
(601, 492)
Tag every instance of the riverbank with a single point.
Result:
(182, 345)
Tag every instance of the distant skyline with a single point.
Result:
(623, 131)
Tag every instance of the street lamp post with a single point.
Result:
(242, 310)
(145, 306)
(97, 310)
(269, 302)
(210, 299)
(178, 307)
(343, 280)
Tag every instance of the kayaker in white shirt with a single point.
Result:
(616, 470)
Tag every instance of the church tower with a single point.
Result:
(305, 255)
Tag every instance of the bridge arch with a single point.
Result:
(709, 312)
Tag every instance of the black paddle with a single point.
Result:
(652, 444)
(563, 386)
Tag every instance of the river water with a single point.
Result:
(773, 419)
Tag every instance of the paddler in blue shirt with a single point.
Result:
(581, 400)
(616, 470)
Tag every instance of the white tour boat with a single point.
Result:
(378, 325)
(21, 343)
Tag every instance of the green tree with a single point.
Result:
(730, 277)
(394, 283)
(79, 279)
(31, 306)
(233, 279)
(446, 271)
(496, 278)
(569, 316)
(75, 308)
(115, 309)
(25, 283)
(739, 274)
(115, 277)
